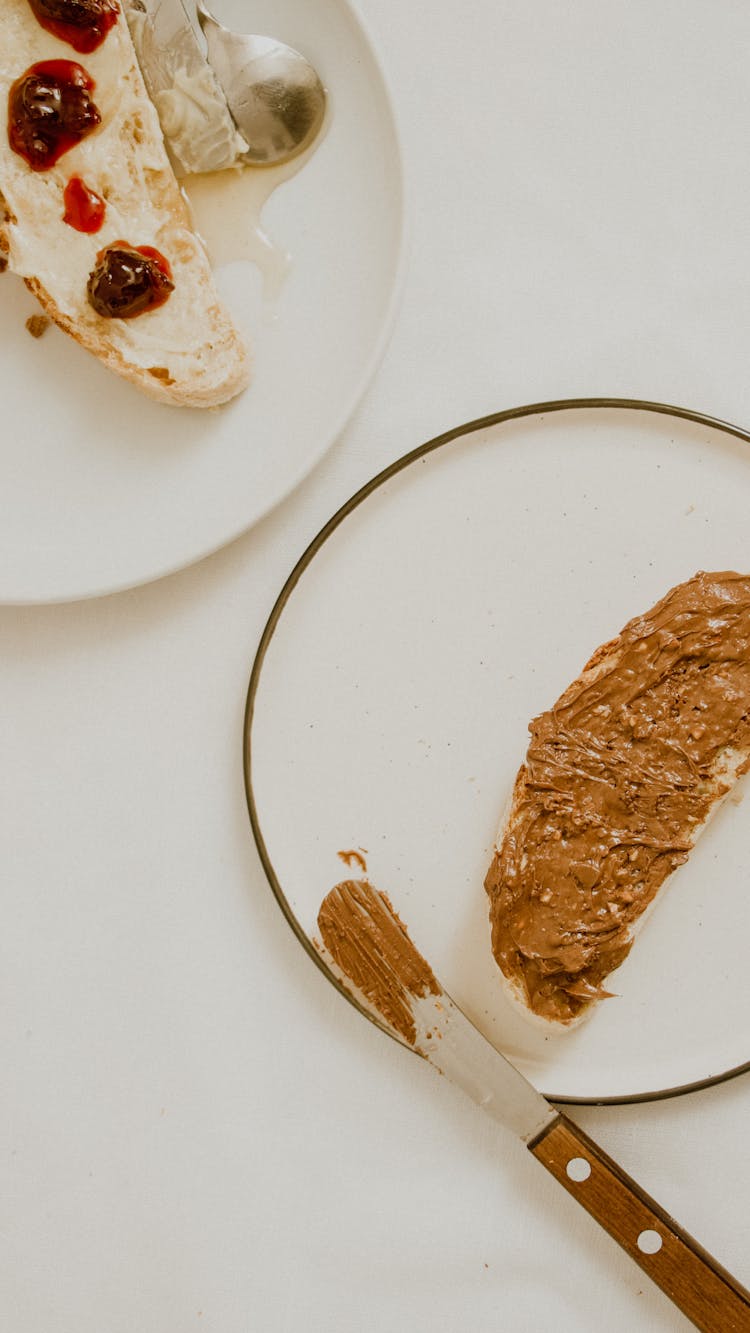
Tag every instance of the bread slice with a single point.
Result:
(621, 776)
(187, 351)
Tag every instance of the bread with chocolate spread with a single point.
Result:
(620, 778)
(91, 215)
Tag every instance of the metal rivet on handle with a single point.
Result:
(650, 1242)
(578, 1169)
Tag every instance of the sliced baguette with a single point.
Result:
(685, 664)
(186, 352)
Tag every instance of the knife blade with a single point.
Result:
(374, 958)
(198, 127)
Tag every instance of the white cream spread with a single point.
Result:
(200, 133)
(125, 162)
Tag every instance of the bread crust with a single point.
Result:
(202, 391)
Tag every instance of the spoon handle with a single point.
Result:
(693, 1280)
(205, 17)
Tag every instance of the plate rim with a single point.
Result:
(305, 559)
(128, 583)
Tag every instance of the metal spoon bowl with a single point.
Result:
(273, 92)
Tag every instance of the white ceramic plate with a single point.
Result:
(103, 489)
(452, 600)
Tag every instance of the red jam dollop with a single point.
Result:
(50, 109)
(84, 208)
(129, 280)
(83, 24)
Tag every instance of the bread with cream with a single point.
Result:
(181, 349)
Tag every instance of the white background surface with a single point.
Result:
(196, 1132)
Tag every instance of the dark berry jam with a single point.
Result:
(84, 208)
(83, 24)
(128, 280)
(50, 110)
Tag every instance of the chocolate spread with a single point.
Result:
(352, 857)
(368, 942)
(619, 776)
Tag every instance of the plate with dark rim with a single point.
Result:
(448, 602)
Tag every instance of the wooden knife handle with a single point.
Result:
(699, 1287)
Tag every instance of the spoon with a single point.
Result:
(273, 92)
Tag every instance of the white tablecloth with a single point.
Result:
(195, 1131)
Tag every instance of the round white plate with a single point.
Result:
(448, 603)
(103, 489)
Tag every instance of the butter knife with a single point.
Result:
(199, 131)
(390, 981)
